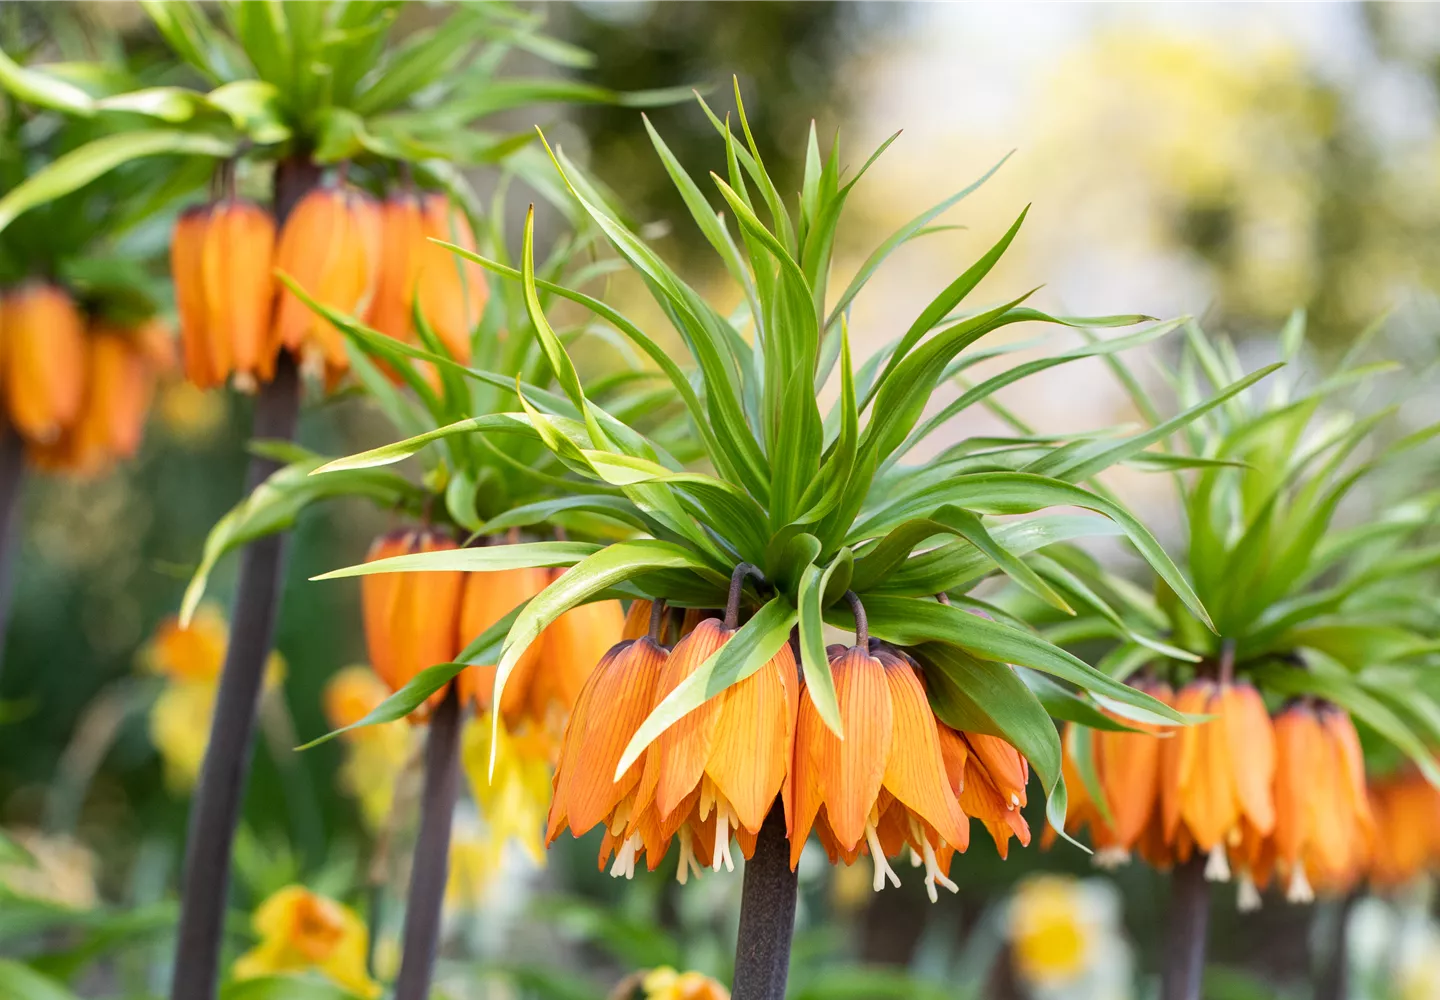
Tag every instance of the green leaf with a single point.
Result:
(35, 86)
(398, 451)
(476, 559)
(984, 696)
(819, 682)
(285, 988)
(20, 982)
(274, 505)
(750, 648)
(84, 164)
(1063, 704)
(910, 622)
(1021, 493)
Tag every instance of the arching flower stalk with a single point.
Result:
(1272, 789)
(817, 505)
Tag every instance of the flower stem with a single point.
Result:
(1186, 935)
(737, 584)
(431, 866)
(862, 623)
(215, 811)
(767, 915)
(12, 484)
(1333, 981)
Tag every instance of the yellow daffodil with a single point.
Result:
(302, 932)
(516, 801)
(1051, 932)
(375, 756)
(190, 659)
(665, 983)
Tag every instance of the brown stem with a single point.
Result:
(215, 811)
(12, 484)
(862, 624)
(657, 620)
(431, 866)
(767, 915)
(737, 584)
(1227, 661)
(1185, 937)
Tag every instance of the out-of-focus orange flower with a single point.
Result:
(192, 653)
(330, 246)
(120, 384)
(44, 360)
(451, 290)
(884, 787)
(717, 771)
(614, 701)
(1323, 823)
(1217, 778)
(665, 983)
(410, 618)
(489, 597)
(1406, 843)
(301, 931)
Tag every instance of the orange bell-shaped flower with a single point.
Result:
(238, 287)
(720, 767)
(1406, 844)
(488, 598)
(207, 359)
(1323, 824)
(330, 246)
(410, 617)
(884, 787)
(574, 643)
(451, 290)
(44, 361)
(614, 701)
(1218, 779)
(989, 778)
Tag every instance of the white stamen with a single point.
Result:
(1014, 800)
(915, 860)
(1299, 890)
(1217, 866)
(625, 857)
(933, 874)
(1110, 858)
(688, 862)
(245, 383)
(877, 855)
(1247, 897)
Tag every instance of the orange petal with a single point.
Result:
(849, 773)
(187, 243)
(752, 747)
(574, 643)
(915, 769)
(1252, 752)
(1297, 756)
(681, 752)
(1128, 765)
(1009, 771)
(1209, 803)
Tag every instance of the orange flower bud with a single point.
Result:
(118, 391)
(330, 246)
(410, 618)
(489, 597)
(44, 361)
(238, 286)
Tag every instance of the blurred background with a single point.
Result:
(1230, 162)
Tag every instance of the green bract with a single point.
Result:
(323, 79)
(821, 502)
(1307, 601)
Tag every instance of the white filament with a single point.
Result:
(1247, 897)
(1217, 866)
(625, 857)
(933, 874)
(877, 855)
(1299, 890)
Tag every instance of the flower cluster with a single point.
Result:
(1272, 799)
(77, 390)
(901, 782)
(351, 252)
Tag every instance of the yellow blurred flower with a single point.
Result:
(665, 983)
(190, 415)
(1051, 931)
(190, 659)
(516, 802)
(375, 756)
(59, 870)
(301, 932)
(475, 857)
